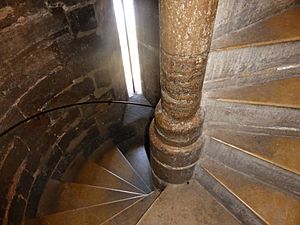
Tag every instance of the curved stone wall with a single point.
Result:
(51, 57)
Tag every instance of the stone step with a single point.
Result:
(248, 66)
(245, 13)
(134, 151)
(226, 198)
(253, 118)
(133, 213)
(187, 204)
(281, 151)
(93, 174)
(93, 215)
(283, 27)
(113, 160)
(278, 93)
(71, 196)
(271, 159)
(269, 204)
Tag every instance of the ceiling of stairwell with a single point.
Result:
(54, 53)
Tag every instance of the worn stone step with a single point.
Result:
(281, 151)
(93, 174)
(187, 204)
(245, 13)
(113, 160)
(226, 198)
(269, 204)
(93, 215)
(247, 66)
(277, 93)
(134, 151)
(249, 117)
(133, 213)
(283, 27)
(271, 159)
(73, 195)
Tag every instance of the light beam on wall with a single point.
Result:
(125, 18)
(120, 19)
(133, 46)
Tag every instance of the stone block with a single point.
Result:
(72, 94)
(16, 211)
(44, 91)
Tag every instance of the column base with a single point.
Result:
(173, 164)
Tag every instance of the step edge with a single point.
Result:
(254, 155)
(115, 147)
(122, 150)
(120, 178)
(134, 170)
(105, 188)
(232, 193)
(113, 174)
(117, 214)
(262, 176)
(255, 45)
(148, 210)
(248, 102)
(231, 35)
(88, 207)
(218, 202)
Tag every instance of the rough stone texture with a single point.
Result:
(186, 30)
(261, 119)
(45, 147)
(256, 195)
(52, 55)
(245, 13)
(254, 166)
(226, 198)
(247, 66)
(48, 61)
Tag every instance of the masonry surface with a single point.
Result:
(51, 54)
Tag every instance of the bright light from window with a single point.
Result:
(125, 18)
(118, 8)
(133, 46)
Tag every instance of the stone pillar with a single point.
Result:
(175, 133)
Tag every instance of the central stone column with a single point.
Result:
(175, 133)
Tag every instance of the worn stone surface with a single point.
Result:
(278, 150)
(226, 198)
(245, 13)
(72, 196)
(279, 28)
(272, 205)
(252, 164)
(277, 93)
(133, 214)
(262, 119)
(96, 214)
(192, 205)
(185, 35)
(248, 66)
(52, 55)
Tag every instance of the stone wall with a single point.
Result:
(147, 17)
(52, 55)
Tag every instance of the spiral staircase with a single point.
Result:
(249, 168)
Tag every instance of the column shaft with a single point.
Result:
(175, 133)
